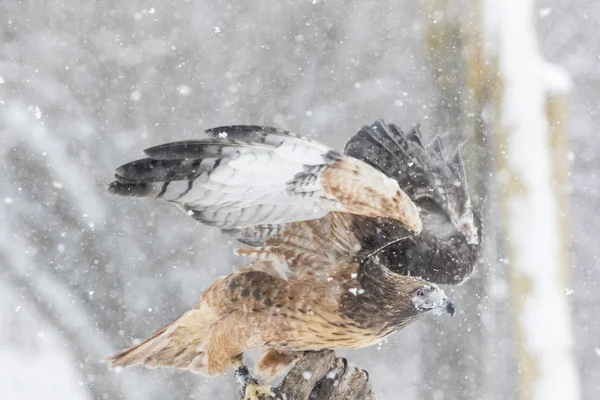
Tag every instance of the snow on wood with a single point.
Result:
(547, 367)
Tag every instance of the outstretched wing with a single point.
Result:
(250, 181)
(448, 247)
(446, 250)
(272, 189)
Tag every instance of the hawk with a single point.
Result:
(343, 249)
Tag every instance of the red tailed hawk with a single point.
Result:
(345, 249)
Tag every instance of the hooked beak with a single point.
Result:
(448, 306)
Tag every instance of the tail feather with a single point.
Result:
(146, 353)
(181, 344)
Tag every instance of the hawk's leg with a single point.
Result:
(244, 378)
(250, 389)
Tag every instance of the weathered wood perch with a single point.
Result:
(323, 376)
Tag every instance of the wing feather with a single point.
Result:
(448, 247)
(312, 249)
(225, 183)
(244, 176)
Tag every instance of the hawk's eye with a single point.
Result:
(421, 293)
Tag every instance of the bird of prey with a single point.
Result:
(344, 249)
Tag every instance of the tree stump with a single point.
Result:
(323, 376)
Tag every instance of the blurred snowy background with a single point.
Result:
(87, 85)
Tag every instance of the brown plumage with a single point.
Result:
(254, 308)
(365, 191)
(319, 227)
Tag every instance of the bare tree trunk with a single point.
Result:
(530, 149)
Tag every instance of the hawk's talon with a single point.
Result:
(345, 362)
(253, 391)
(364, 371)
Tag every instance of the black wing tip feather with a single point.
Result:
(372, 133)
(185, 149)
(247, 133)
(393, 132)
(129, 189)
(378, 124)
(145, 170)
(415, 135)
(242, 129)
(259, 135)
(438, 148)
(202, 148)
(435, 154)
(176, 150)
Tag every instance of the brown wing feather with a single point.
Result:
(311, 249)
(363, 190)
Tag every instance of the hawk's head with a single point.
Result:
(430, 298)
